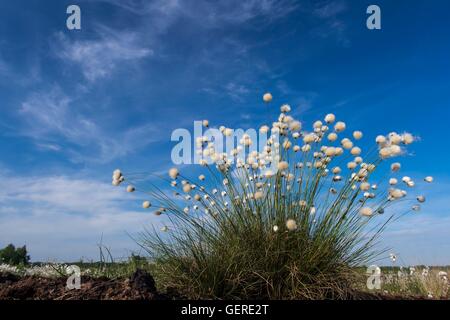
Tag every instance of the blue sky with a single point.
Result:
(77, 104)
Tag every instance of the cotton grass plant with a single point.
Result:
(291, 221)
(432, 283)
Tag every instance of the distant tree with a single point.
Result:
(14, 256)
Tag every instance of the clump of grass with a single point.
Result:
(112, 268)
(291, 221)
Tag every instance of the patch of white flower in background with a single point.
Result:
(6, 268)
(49, 270)
(430, 282)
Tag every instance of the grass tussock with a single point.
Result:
(290, 221)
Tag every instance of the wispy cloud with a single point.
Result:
(51, 215)
(238, 12)
(98, 58)
(23, 77)
(330, 9)
(237, 92)
(227, 56)
(55, 121)
(302, 101)
(48, 146)
(420, 239)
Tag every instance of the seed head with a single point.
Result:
(173, 173)
(339, 126)
(330, 118)
(267, 97)
(291, 225)
(146, 204)
(366, 211)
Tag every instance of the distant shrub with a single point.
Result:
(14, 256)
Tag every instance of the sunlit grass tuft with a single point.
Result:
(291, 221)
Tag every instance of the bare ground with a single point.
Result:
(140, 286)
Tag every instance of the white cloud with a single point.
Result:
(4, 70)
(237, 92)
(332, 26)
(208, 13)
(98, 58)
(56, 122)
(48, 146)
(238, 12)
(330, 9)
(60, 217)
(422, 237)
(228, 55)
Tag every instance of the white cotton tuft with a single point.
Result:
(267, 97)
(364, 186)
(340, 126)
(146, 204)
(173, 173)
(393, 181)
(396, 166)
(366, 211)
(380, 140)
(396, 193)
(187, 188)
(295, 126)
(264, 129)
(407, 138)
(406, 179)
(309, 138)
(318, 124)
(285, 108)
(283, 165)
(330, 151)
(117, 174)
(269, 174)
(258, 195)
(291, 225)
(429, 179)
(347, 144)
(357, 135)
(330, 118)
